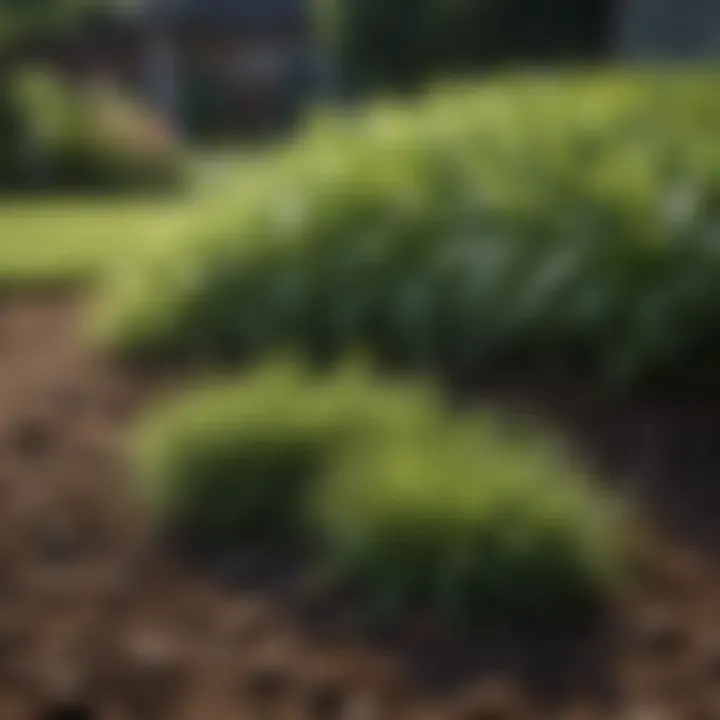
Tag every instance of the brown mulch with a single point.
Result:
(100, 619)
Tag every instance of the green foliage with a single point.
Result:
(21, 19)
(420, 508)
(477, 525)
(233, 460)
(90, 139)
(568, 222)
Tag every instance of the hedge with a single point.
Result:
(566, 222)
(392, 494)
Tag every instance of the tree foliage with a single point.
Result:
(20, 19)
(400, 43)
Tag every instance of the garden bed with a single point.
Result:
(100, 619)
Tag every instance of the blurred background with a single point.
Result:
(129, 77)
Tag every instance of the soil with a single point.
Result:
(101, 619)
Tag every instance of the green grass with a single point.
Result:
(65, 241)
(70, 240)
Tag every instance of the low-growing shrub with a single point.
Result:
(568, 222)
(415, 507)
(477, 528)
(235, 460)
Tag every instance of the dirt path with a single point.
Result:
(98, 620)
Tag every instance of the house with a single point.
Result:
(220, 67)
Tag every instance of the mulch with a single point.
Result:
(102, 619)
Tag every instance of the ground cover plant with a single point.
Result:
(568, 221)
(417, 507)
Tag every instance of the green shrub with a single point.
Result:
(91, 138)
(570, 222)
(233, 460)
(419, 508)
(478, 527)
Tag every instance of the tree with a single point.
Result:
(21, 19)
(401, 43)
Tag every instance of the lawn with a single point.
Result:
(66, 240)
